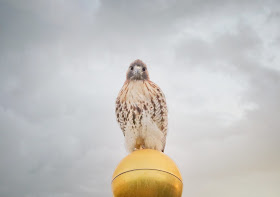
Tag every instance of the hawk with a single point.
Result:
(141, 110)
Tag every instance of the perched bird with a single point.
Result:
(141, 110)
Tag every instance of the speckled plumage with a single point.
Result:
(141, 112)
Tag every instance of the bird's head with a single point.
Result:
(137, 71)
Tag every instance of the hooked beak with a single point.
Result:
(137, 72)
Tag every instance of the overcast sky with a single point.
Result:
(62, 64)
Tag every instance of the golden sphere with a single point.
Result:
(147, 173)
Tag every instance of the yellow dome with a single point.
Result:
(147, 173)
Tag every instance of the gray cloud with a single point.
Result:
(63, 63)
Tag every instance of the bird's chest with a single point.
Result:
(138, 102)
(137, 93)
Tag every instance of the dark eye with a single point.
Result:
(131, 68)
(143, 69)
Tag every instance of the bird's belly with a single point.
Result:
(148, 133)
(144, 124)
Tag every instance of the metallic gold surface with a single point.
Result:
(148, 173)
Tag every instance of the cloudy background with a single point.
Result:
(62, 64)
